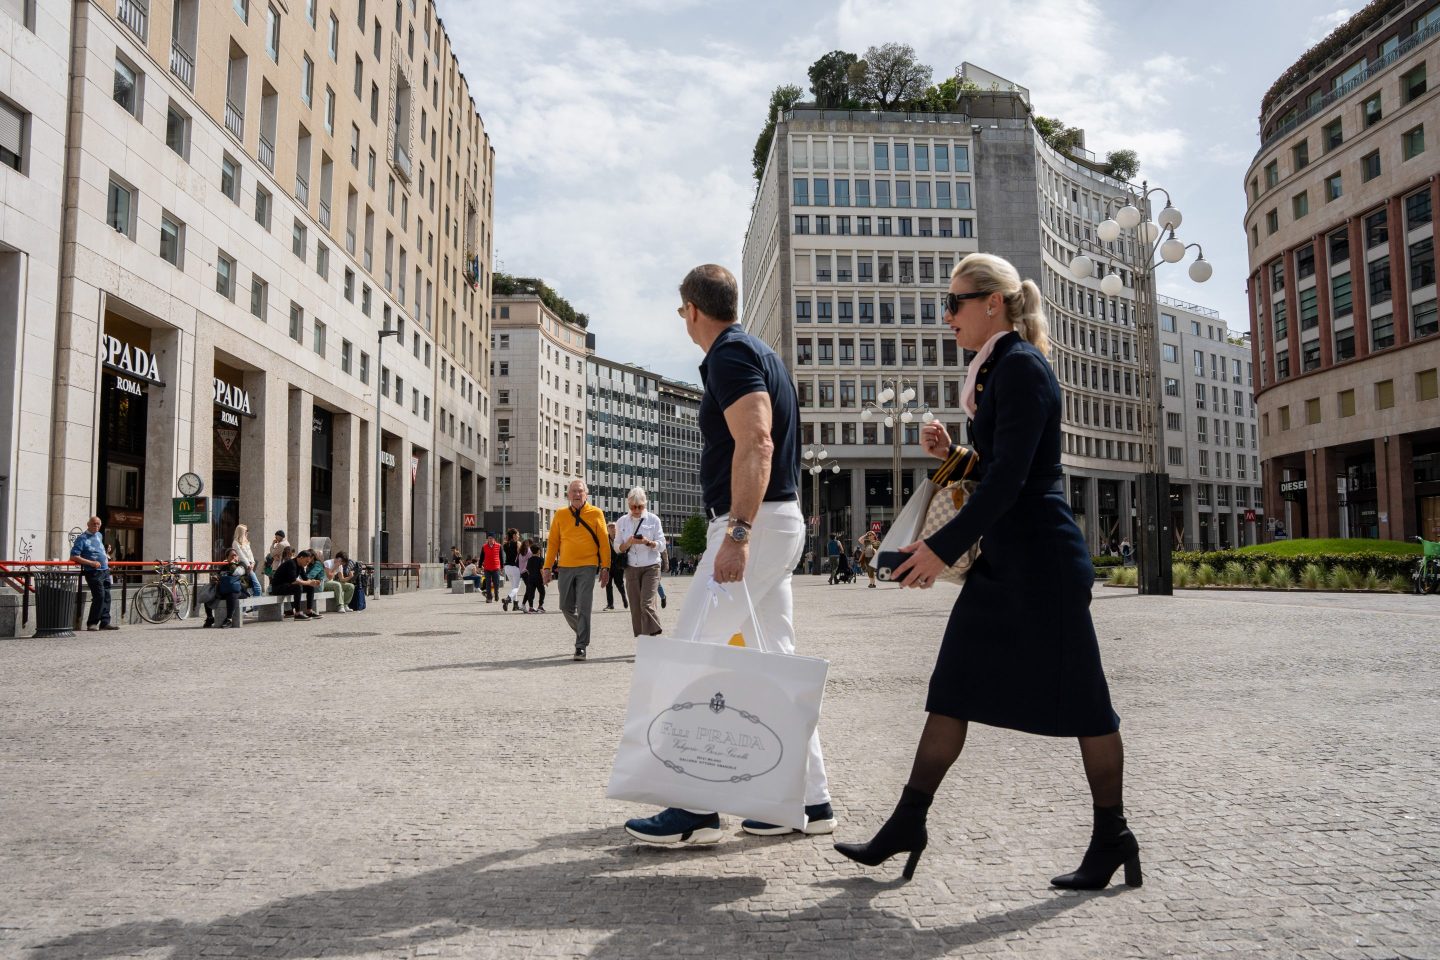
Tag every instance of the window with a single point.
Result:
(802, 192)
(1339, 246)
(1300, 204)
(317, 342)
(1412, 142)
(1371, 111)
(310, 12)
(1310, 358)
(1341, 301)
(262, 207)
(272, 33)
(1175, 456)
(329, 109)
(177, 130)
(1412, 84)
(1370, 166)
(334, 39)
(364, 367)
(1300, 154)
(1422, 263)
(307, 79)
(1272, 173)
(230, 177)
(882, 156)
(322, 260)
(298, 238)
(349, 286)
(1305, 262)
(1382, 332)
(1345, 403)
(1172, 387)
(347, 349)
(1345, 344)
(259, 297)
(1309, 308)
(359, 78)
(297, 322)
(1376, 230)
(1385, 394)
(1379, 276)
(1334, 188)
(1332, 135)
(1272, 222)
(242, 10)
(172, 240)
(120, 209)
(1425, 319)
(225, 275)
(1426, 387)
(1169, 353)
(1285, 418)
(127, 87)
(1417, 209)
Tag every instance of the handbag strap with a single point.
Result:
(716, 589)
(942, 475)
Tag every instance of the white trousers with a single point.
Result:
(512, 575)
(776, 543)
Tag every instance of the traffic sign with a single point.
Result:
(191, 509)
(470, 521)
(875, 526)
(1249, 516)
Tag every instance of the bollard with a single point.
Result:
(54, 605)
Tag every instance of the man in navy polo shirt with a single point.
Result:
(750, 471)
(89, 552)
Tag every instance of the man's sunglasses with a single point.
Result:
(954, 300)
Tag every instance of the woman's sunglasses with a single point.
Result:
(953, 301)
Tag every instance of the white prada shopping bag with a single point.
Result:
(718, 727)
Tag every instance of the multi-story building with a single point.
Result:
(678, 492)
(1211, 451)
(1341, 228)
(860, 217)
(538, 362)
(622, 434)
(242, 196)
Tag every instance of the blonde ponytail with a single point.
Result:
(1031, 323)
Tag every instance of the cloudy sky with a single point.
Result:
(623, 129)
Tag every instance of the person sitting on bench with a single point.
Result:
(290, 581)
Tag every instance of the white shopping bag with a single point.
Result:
(719, 727)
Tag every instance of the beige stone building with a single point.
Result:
(242, 194)
(1342, 235)
(538, 369)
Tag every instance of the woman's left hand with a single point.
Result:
(921, 569)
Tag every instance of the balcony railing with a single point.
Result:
(182, 64)
(402, 161)
(234, 119)
(1370, 71)
(325, 214)
(267, 153)
(135, 14)
(302, 190)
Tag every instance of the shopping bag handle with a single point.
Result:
(716, 589)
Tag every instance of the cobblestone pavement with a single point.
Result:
(427, 779)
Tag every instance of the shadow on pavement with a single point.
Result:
(532, 663)
(501, 894)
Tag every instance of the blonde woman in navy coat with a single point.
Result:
(1019, 651)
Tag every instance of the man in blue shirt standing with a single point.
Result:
(750, 468)
(89, 552)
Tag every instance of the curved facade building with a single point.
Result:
(1341, 230)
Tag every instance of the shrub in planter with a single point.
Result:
(1399, 584)
(1204, 575)
(1235, 574)
(1260, 574)
(1312, 577)
(1106, 561)
(1117, 576)
(1282, 578)
(1341, 579)
(1370, 580)
(1180, 574)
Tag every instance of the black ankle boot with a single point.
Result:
(904, 832)
(1111, 845)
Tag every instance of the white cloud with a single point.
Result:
(1321, 26)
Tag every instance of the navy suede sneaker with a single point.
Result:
(674, 826)
(819, 818)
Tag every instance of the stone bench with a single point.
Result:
(272, 608)
(461, 586)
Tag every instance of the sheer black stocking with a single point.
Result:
(940, 746)
(1104, 759)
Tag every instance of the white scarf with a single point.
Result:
(967, 395)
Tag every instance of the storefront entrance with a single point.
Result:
(321, 478)
(129, 372)
(231, 404)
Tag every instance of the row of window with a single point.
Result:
(1427, 387)
(884, 227)
(824, 351)
(918, 193)
(821, 152)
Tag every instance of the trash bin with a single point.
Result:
(55, 605)
(387, 585)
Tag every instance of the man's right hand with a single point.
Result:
(545, 576)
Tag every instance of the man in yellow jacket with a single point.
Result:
(578, 539)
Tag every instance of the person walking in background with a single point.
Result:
(241, 546)
(579, 548)
(1010, 657)
(869, 546)
(834, 550)
(665, 569)
(88, 551)
(638, 537)
(491, 560)
(534, 582)
(1127, 552)
(617, 574)
(750, 469)
(510, 556)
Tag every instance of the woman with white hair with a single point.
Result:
(639, 537)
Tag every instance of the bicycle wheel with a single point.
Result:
(154, 603)
(181, 597)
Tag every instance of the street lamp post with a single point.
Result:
(504, 481)
(379, 464)
(815, 462)
(896, 406)
(1150, 244)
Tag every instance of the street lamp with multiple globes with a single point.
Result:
(815, 462)
(1151, 244)
(895, 406)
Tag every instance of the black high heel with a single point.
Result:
(904, 832)
(1112, 846)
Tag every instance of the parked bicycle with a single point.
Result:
(167, 596)
(1427, 568)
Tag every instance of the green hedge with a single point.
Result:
(1332, 546)
(1107, 561)
(1385, 565)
